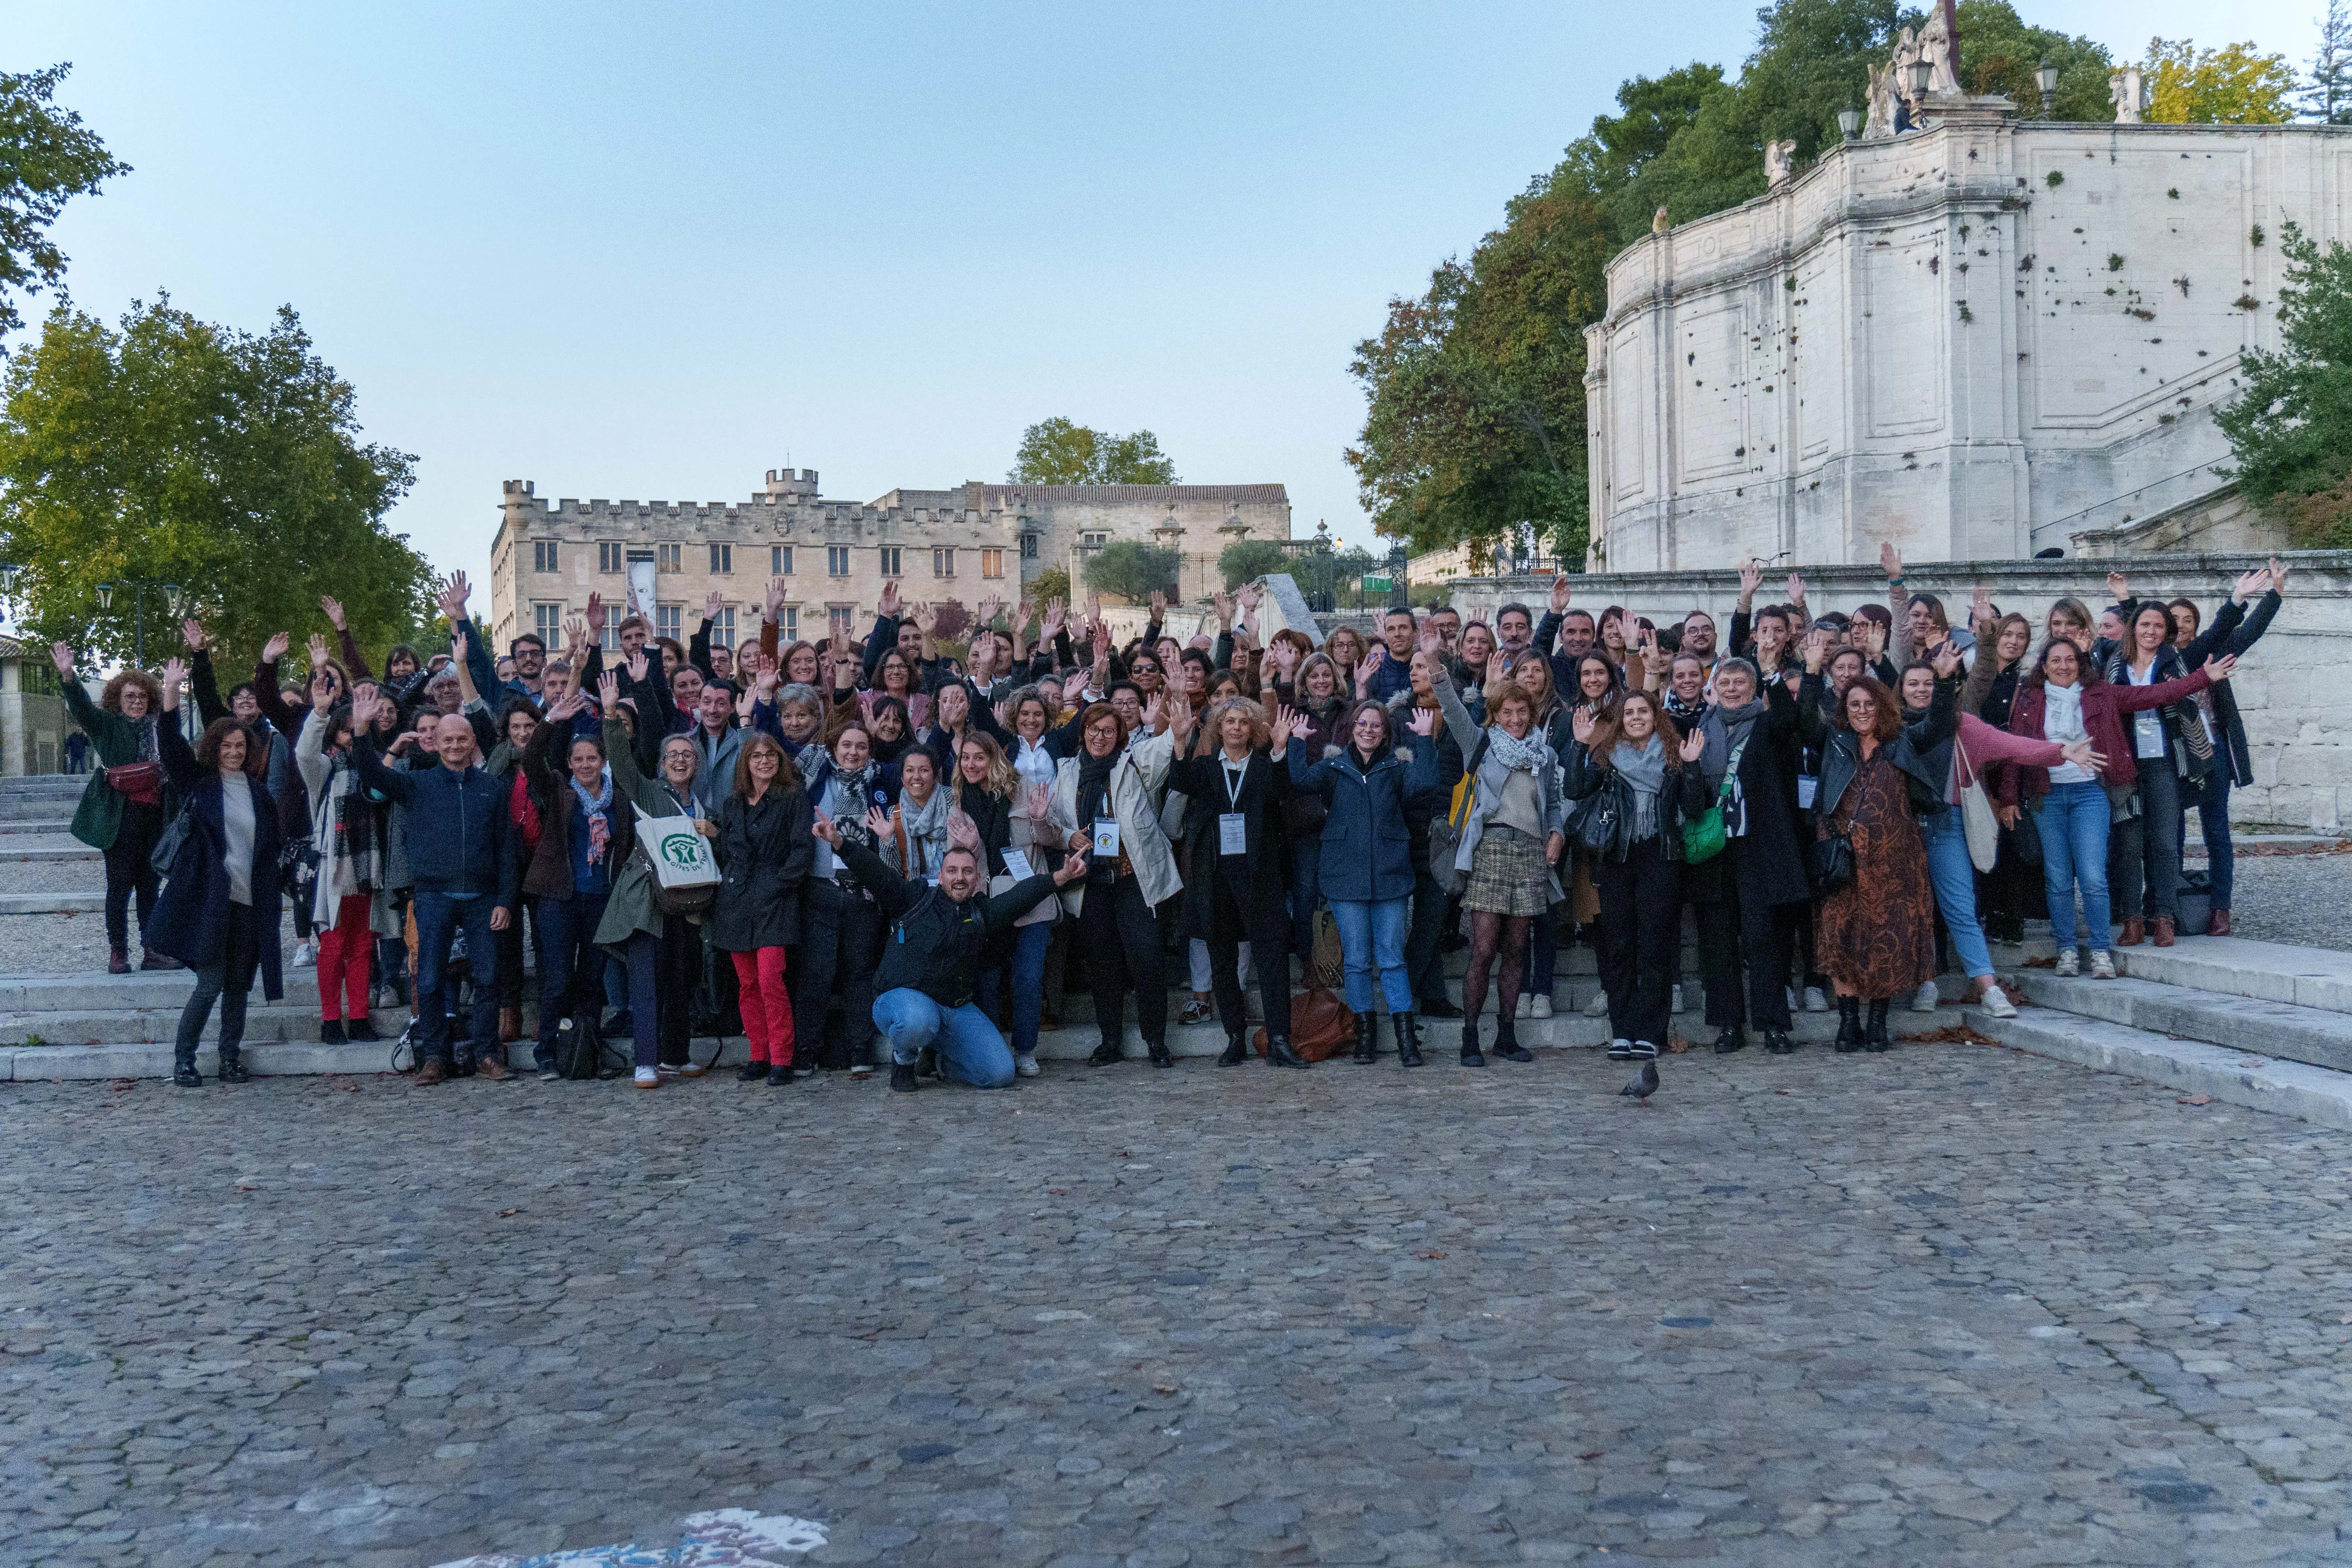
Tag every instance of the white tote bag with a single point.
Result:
(680, 856)
(1977, 817)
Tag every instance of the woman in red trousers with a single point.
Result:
(766, 848)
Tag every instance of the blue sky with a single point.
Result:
(650, 251)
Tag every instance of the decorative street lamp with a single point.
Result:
(171, 597)
(1850, 123)
(2045, 81)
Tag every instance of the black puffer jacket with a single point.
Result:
(936, 945)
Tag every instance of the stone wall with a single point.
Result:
(1978, 341)
(2294, 689)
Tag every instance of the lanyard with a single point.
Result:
(1233, 780)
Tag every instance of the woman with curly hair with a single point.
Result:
(121, 810)
(1236, 797)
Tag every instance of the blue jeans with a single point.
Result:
(1371, 936)
(2073, 821)
(969, 1045)
(569, 962)
(439, 918)
(1029, 944)
(1954, 876)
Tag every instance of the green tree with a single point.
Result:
(1133, 569)
(1053, 582)
(1999, 53)
(1058, 451)
(2290, 427)
(1246, 560)
(177, 450)
(46, 158)
(2327, 91)
(2232, 85)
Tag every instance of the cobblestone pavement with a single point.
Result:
(1954, 1305)
(2306, 899)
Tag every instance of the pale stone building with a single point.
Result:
(974, 541)
(1982, 340)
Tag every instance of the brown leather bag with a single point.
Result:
(1321, 1026)
(140, 783)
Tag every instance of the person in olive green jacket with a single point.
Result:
(661, 951)
(122, 826)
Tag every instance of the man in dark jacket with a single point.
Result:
(934, 951)
(464, 853)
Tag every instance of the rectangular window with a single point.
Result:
(991, 563)
(839, 625)
(667, 557)
(942, 562)
(1093, 541)
(722, 559)
(789, 627)
(610, 640)
(891, 555)
(779, 560)
(547, 620)
(608, 559)
(836, 560)
(665, 616)
(722, 630)
(1028, 547)
(543, 554)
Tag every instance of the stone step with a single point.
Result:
(51, 825)
(151, 1059)
(2280, 1029)
(2313, 1094)
(47, 854)
(263, 1021)
(38, 810)
(52, 903)
(2238, 966)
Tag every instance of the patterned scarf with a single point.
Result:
(926, 828)
(1526, 754)
(846, 800)
(598, 810)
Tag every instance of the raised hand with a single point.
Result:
(1432, 643)
(1423, 722)
(1247, 596)
(777, 590)
(1036, 801)
(1890, 559)
(2119, 587)
(1093, 607)
(889, 603)
(880, 824)
(1561, 587)
(927, 619)
(596, 613)
(962, 832)
(2278, 576)
(1581, 722)
(1223, 604)
(1054, 617)
(1874, 640)
(1653, 657)
(608, 691)
(2252, 583)
(1979, 605)
(638, 665)
(334, 608)
(1152, 711)
(1817, 649)
(1694, 747)
(322, 691)
(365, 701)
(1158, 606)
(1289, 724)
(1796, 588)
(1365, 665)
(317, 649)
(459, 592)
(174, 671)
(744, 704)
(2219, 667)
(576, 634)
(274, 648)
(1947, 659)
(192, 632)
(1751, 578)
(764, 682)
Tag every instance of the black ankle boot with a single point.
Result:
(1874, 1033)
(1160, 1057)
(1364, 1025)
(1507, 1042)
(751, 1073)
(1471, 1056)
(1280, 1053)
(232, 1066)
(1236, 1052)
(1849, 1035)
(1408, 1039)
(184, 1073)
(1729, 1040)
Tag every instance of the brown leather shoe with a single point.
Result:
(2165, 928)
(429, 1072)
(492, 1067)
(2135, 932)
(2219, 924)
(509, 1023)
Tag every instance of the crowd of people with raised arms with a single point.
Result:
(923, 850)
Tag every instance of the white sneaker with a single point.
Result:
(306, 955)
(861, 1069)
(1597, 1006)
(1927, 998)
(1527, 1006)
(2103, 967)
(2070, 965)
(648, 1078)
(1025, 1067)
(1814, 1001)
(1543, 1007)
(1996, 1001)
(1679, 1000)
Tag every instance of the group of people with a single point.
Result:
(920, 848)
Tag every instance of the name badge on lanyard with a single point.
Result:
(1233, 836)
(1106, 838)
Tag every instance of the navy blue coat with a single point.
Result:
(193, 913)
(1367, 828)
(461, 840)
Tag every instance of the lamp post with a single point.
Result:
(139, 587)
(2045, 81)
(1916, 78)
(1850, 123)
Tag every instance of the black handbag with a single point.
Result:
(1833, 865)
(1602, 822)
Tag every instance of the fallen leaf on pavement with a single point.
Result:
(1429, 1255)
(1951, 1035)
(1163, 1388)
(2196, 1099)
(509, 1214)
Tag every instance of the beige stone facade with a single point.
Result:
(971, 542)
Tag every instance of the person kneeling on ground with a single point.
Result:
(937, 946)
